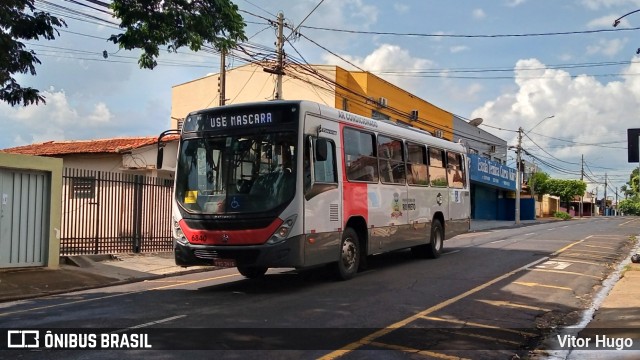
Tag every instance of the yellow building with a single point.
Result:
(359, 92)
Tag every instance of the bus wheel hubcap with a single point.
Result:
(348, 253)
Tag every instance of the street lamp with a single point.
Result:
(540, 122)
(476, 122)
(616, 22)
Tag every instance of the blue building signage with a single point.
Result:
(490, 172)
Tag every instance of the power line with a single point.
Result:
(467, 36)
(601, 144)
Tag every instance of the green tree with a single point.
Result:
(20, 21)
(566, 189)
(630, 206)
(538, 183)
(633, 183)
(149, 24)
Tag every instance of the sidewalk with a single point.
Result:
(87, 272)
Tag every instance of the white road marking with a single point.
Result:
(555, 265)
(149, 324)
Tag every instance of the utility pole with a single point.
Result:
(222, 79)
(518, 177)
(280, 51)
(581, 179)
(616, 201)
(279, 69)
(604, 212)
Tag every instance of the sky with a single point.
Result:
(557, 69)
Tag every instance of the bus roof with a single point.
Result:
(385, 126)
(381, 126)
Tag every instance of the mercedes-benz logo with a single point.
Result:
(225, 238)
(439, 199)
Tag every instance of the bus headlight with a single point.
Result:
(283, 231)
(178, 234)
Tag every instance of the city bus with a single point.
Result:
(297, 184)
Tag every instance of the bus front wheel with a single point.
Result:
(349, 261)
(252, 272)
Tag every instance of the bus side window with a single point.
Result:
(417, 165)
(325, 171)
(455, 171)
(437, 170)
(391, 160)
(361, 163)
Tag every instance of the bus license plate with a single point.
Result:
(226, 263)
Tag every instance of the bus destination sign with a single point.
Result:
(225, 120)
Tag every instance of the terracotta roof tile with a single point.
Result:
(114, 145)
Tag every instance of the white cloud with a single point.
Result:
(586, 111)
(566, 57)
(608, 48)
(598, 4)
(59, 119)
(401, 8)
(336, 13)
(101, 114)
(514, 3)
(457, 49)
(386, 58)
(479, 14)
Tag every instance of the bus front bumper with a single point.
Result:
(288, 253)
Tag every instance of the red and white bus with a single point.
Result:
(299, 184)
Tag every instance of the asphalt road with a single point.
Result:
(491, 295)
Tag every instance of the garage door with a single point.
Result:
(24, 205)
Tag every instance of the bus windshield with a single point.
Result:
(236, 174)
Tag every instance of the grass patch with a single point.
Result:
(562, 215)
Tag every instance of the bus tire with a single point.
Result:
(252, 272)
(433, 249)
(436, 242)
(349, 260)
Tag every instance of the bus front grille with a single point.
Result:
(205, 254)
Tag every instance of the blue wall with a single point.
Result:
(527, 209)
(507, 209)
(485, 203)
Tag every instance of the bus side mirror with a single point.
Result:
(321, 149)
(160, 157)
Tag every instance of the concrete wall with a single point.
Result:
(52, 166)
(98, 162)
(550, 204)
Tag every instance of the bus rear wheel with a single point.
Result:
(252, 272)
(349, 261)
(433, 249)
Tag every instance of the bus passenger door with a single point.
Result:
(322, 206)
(459, 196)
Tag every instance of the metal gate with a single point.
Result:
(24, 221)
(106, 212)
